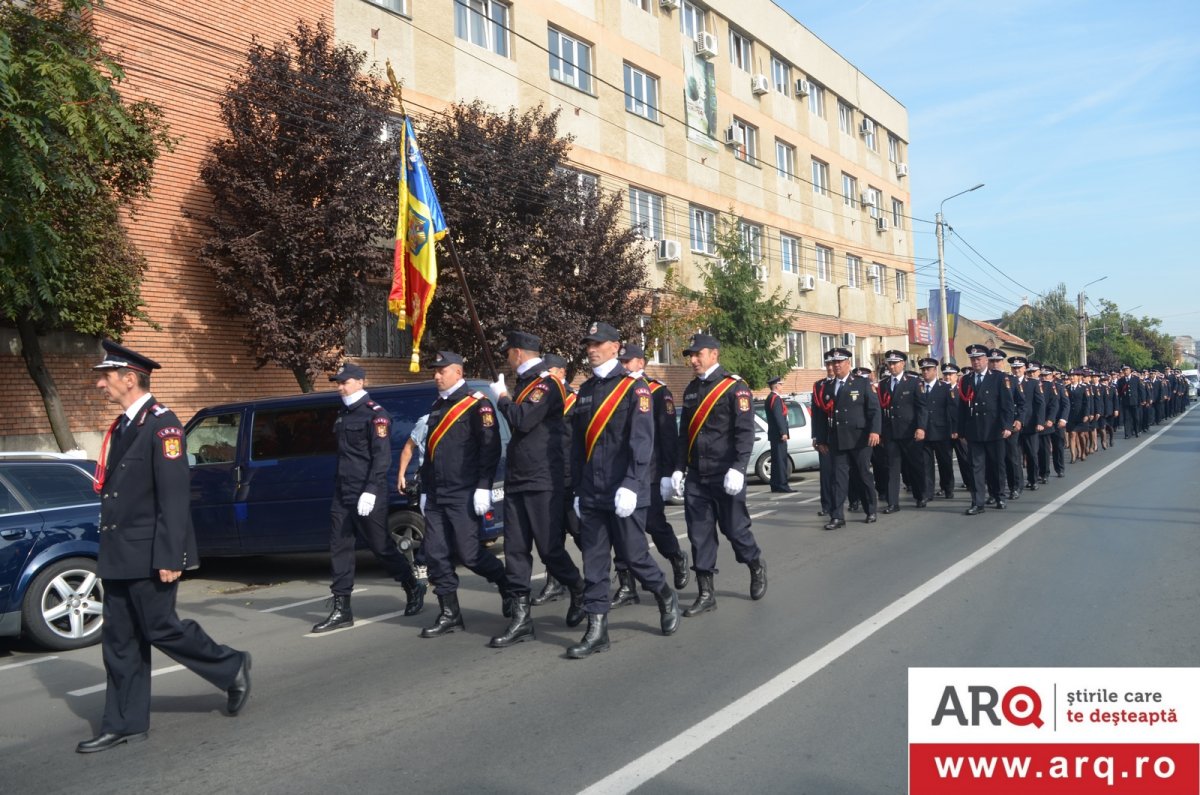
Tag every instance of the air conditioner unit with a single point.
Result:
(867, 127)
(759, 84)
(806, 283)
(902, 169)
(873, 272)
(881, 223)
(668, 251)
(868, 198)
(706, 44)
(731, 136)
(668, 5)
(848, 341)
(803, 87)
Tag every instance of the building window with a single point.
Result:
(374, 333)
(789, 252)
(691, 20)
(849, 190)
(399, 6)
(785, 160)
(641, 93)
(873, 199)
(739, 51)
(902, 286)
(825, 263)
(745, 141)
(795, 349)
(897, 213)
(587, 184)
(642, 4)
(868, 132)
(704, 231)
(752, 243)
(646, 214)
(781, 76)
(482, 22)
(820, 177)
(658, 351)
(570, 61)
(854, 271)
(816, 100)
(880, 280)
(893, 148)
(828, 343)
(845, 118)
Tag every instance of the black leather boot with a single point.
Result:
(627, 593)
(575, 612)
(707, 598)
(414, 594)
(521, 626)
(758, 579)
(668, 610)
(340, 616)
(679, 567)
(449, 618)
(550, 592)
(594, 640)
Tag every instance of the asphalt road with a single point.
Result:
(803, 692)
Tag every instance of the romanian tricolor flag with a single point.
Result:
(418, 225)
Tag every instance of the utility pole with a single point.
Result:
(944, 353)
(1083, 322)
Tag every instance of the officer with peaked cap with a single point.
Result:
(904, 419)
(146, 542)
(942, 412)
(986, 413)
(952, 374)
(717, 429)
(857, 487)
(777, 435)
(1033, 422)
(822, 391)
(567, 523)
(846, 425)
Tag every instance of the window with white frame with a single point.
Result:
(795, 349)
(703, 231)
(587, 184)
(752, 237)
(740, 51)
(691, 19)
(881, 281)
(845, 118)
(789, 253)
(482, 22)
(570, 60)
(658, 351)
(816, 100)
(901, 286)
(646, 214)
(849, 190)
(873, 201)
(820, 177)
(868, 131)
(745, 141)
(828, 343)
(399, 6)
(853, 271)
(897, 213)
(893, 148)
(785, 160)
(641, 93)
(824, 256)
(781, 76)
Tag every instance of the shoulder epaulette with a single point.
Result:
(545, 374)
(374, 405)
(477, 395)
(159, 409)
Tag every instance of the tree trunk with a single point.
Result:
(31, 352)
(303, 378)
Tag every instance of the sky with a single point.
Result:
(1082, 119)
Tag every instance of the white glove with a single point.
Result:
(483, 501)
(734, 481)
(422, 502)
(577, 513)
(625, 502)
(666, 487)
(498, 388)
(677, 481)
(366, 504)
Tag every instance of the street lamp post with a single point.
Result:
(1083, 322)
(944, 353)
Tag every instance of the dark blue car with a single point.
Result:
(262, 472)
(49, 542)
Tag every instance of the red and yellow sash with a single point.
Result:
(569, 402)
(604, 413)
(102, 461)
(705, 408)
(655, 386)
(448, 419)
(527, 390)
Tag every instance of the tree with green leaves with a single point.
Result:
(1050, 325)
(74, 157)
(303, 189)
(1116, 338)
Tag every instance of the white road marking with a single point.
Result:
(659, 759)
(34, 661)
(757, 514)
(810, 499)
(305, 602)
(86, 691)
(358, 622)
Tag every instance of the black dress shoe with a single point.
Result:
(1031, 487)
(1041, 480)
(973, 510)
(922, 503)
(834, 524)
(1001, 505)
(891, 509)
(855, 507)
(106, 740)
(1058, 474)
(990, 501)
(239, 691)
(821, 513)
(871, 519)
(1015, 494)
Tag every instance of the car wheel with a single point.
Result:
(64, 606)
(408, 531)
(762, 467)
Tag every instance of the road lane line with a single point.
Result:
(10, 666)
(87, 691)
(358, 622)
(658, 760)
(758, 514)
(305, 602)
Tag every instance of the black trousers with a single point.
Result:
(938, 452)
(825, 470)
(1058, 443)
(529, 521)
(905, 458)
(779, 465)
(706, 507)
(452, 535)
(604, 534)
(1043, 453)
(1030, 444)
(848, 464)
(987, 467)
(658, 528)
(1012, 463)
(139, 614)
(962, 452)
(879, 469)
(345, 524)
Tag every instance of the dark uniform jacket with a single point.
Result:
(568, 431)
(666, 429)
(844, 422)
(623, 454)
(535, 414)
(466, 457)
(1130, 391)
(364, 437)
(1050, 392)
(986, 408)
(1035, 405)
(903, 407)
(726, 439)
(145, 512)
(1064, 402)
(941, 410)
(1077, 395)
(777, 418)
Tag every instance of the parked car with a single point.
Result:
(49, 543)
(262, 472)
(802, 454)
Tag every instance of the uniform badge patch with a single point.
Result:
(172, 447)
(643, 403)
(536, 395)
(743, 403)
(381, 427)
(486, 416)
(669, 405)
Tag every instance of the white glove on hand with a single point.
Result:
(422, 504)
(483, 501)
(625, 502)
(577, 513)
(677, 481)
(366, 504)
(734, 481)
(498, 387)
(666, 487)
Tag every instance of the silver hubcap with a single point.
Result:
(73, 604)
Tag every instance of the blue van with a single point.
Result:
(262, 472)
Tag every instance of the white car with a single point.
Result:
(802, 454)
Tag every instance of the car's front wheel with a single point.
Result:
(407, 529)
(64, 606)
(762, 467)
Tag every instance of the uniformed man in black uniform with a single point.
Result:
(360, 498)
(612, 459)
(666, 446)
(567, 523)
(1033, 421)
(1058, 440)
(904, 419)
(777, 436)
(951, 373)
(822, 393)
(533, 484)
(942, 412)
(462, 452)
(716, 438)
(986, 413)
(847, 425)
(876, 463)
(1010, 463)
(146, 542)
